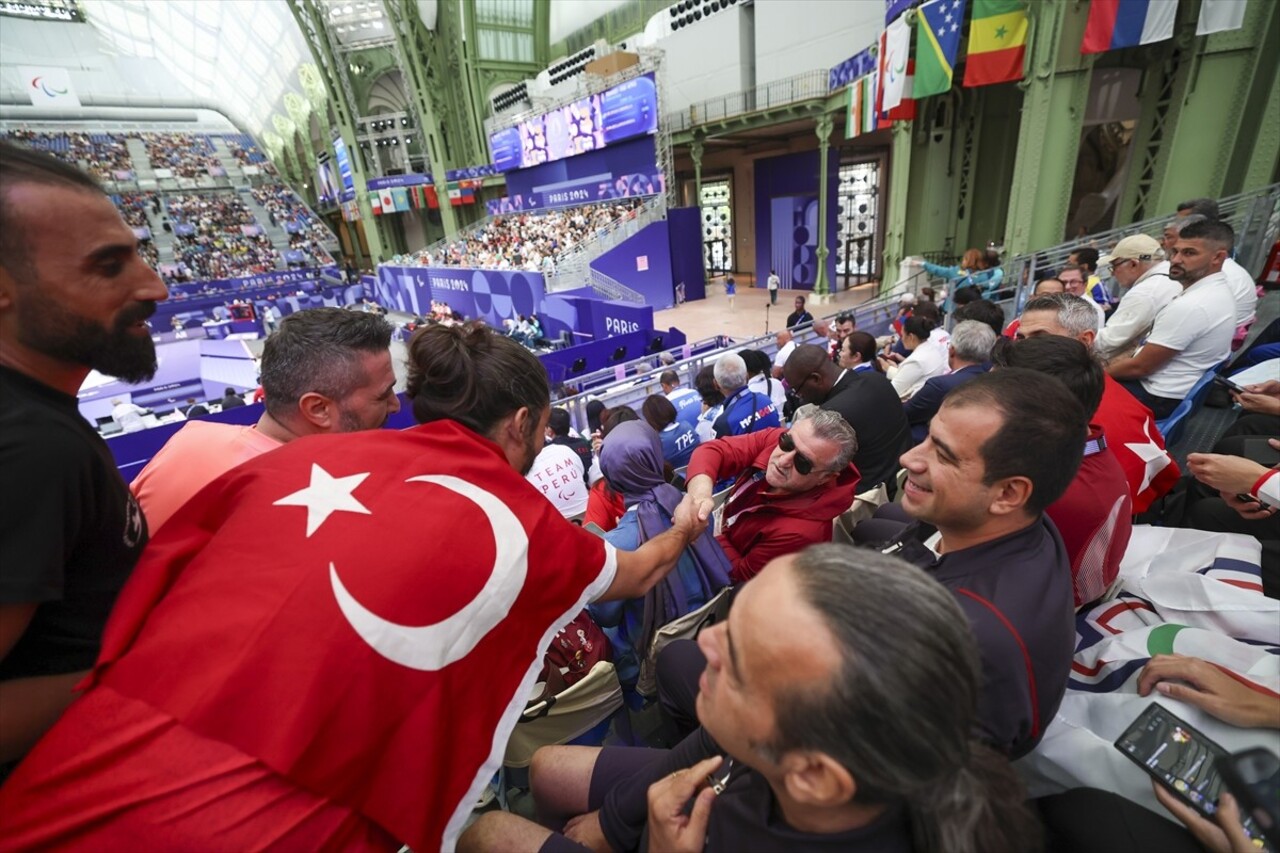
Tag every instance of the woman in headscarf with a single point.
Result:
(631, 460)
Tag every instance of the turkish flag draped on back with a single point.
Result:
(1135, 440)
(365, 614)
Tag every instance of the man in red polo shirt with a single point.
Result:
(1129, 426)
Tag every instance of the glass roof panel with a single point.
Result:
(240, 54)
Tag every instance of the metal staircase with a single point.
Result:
(610, 288)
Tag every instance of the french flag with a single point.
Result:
(1116, 24)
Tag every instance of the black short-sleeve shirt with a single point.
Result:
(70, 532)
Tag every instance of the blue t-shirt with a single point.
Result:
(688, 405)
(746, 411)
(678, 441)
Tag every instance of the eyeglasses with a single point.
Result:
(804, 465)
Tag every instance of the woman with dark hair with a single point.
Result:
(595, 408)
(858, 352)
(604, 505)
(677, 437)
(712, 403)
(927, 359)
(631, 460)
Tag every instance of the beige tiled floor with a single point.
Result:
(712, 316)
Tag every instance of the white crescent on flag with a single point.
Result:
(428, 648)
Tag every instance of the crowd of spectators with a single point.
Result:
(134, 206)
(872, 695)
(101, 154)
(219, 248)
(286, 211)
(187, 155)
(529, 241)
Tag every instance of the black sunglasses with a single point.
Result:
(804, 465)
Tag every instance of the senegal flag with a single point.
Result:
(997, 42)
(937, 44)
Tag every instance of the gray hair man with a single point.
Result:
(969, 356)
(1138, 265)
(788, 486)
(75, 296)
(325, 370)
(745, 411)
(1194, 331)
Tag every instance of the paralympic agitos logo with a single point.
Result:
(49, 91)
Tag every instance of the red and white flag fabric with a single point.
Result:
(365, 614)
(387, 200)
(1135, 440)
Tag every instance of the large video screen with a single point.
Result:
(344, 170)
(589, 124)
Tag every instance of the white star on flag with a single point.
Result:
(326, 495)
(947, 18)
(955, 27)
(1154, 457)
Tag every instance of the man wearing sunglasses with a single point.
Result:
(1137, 264)
(867, 402)
(788, 486)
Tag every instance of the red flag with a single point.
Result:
(363, 614)
(1137, 444)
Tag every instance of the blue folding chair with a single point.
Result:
(1171, 427)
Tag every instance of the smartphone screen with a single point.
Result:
(1228, 384)
(1178, 756)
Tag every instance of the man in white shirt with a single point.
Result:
(773, 283)
(1136, 263)
(127, 415)
(1243, 287)
(1075, 280)
(557, 473)
(1193, 333)
(786, 346)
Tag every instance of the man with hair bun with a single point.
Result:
(347, 681)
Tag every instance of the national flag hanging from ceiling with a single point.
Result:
(375, 202)
(388, 201)
(997, 42)
(861, 115)
(1115, 24)
(895, 53)
(1219, 15)
(937, 46)
(400, 196)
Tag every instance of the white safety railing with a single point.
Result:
(571, 268)
(806, 86)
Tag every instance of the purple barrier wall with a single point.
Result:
(685, 236)
(597, 355)
(494, 295)
(643, 263)
(606, 319)
(786, 190)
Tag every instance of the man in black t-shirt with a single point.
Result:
(800, 316)
(558, 431)
(74, 297)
